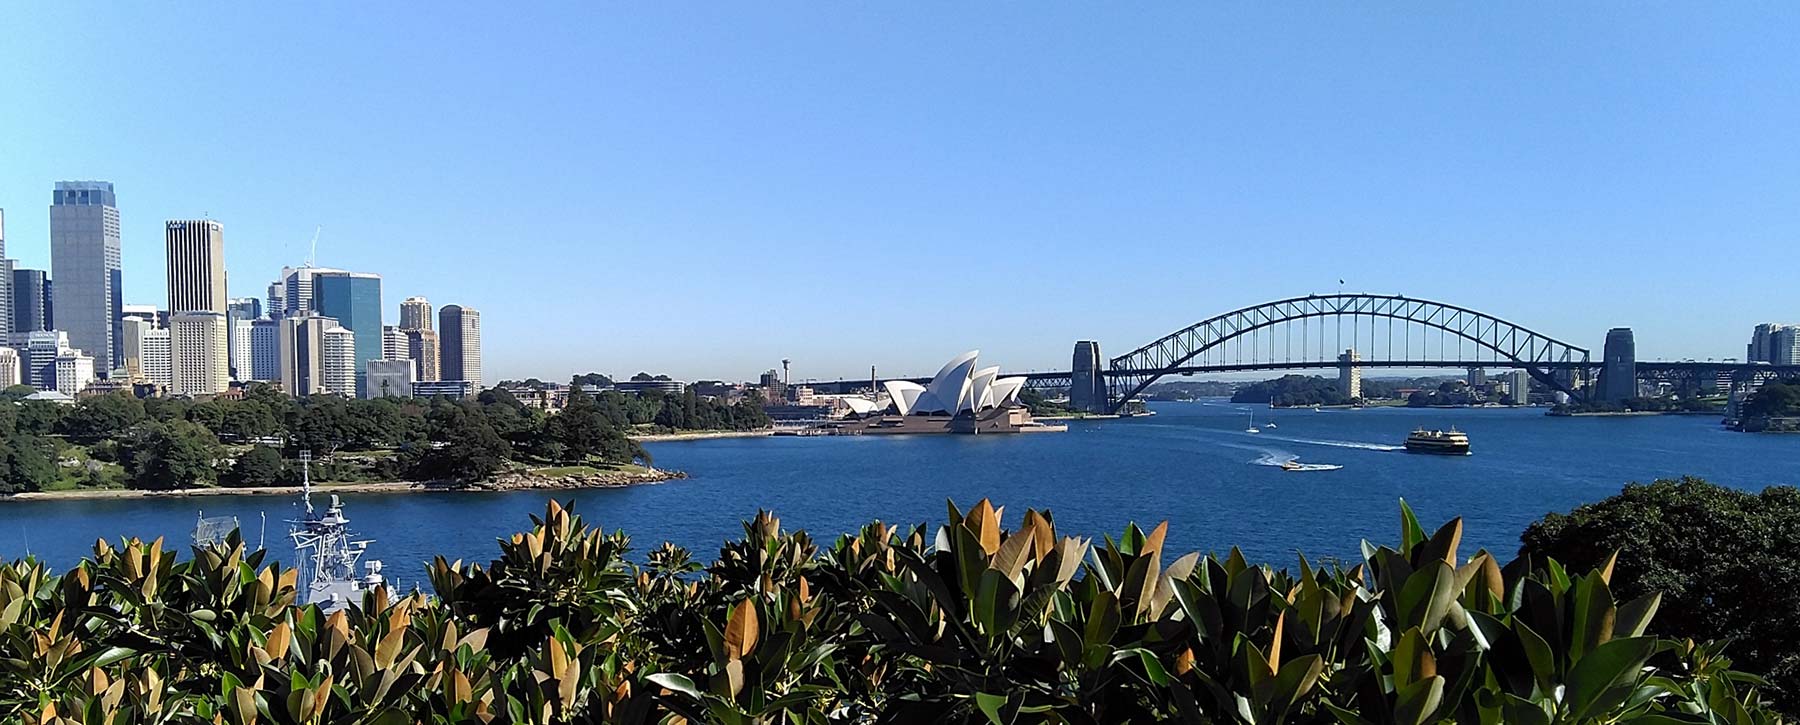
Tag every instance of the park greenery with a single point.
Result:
(965, 623)
(1726, 564)
(118, 441)
(1293, 390)
(1642, 404)
(1774, 400)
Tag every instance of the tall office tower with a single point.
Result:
(200, 352)
(31, 300)
(265, 350)
(6, 281)
(459, 335)
(422, 349)
(339, 362)
(1618, 371)
(277, 299)
(239, 311)
(37, 355)
(301, 350)
(245, 308)
(354, 300)
(393, 343)
(196, 266)
(10, 367)
(1762, 343)
(415, 313)
(148, 352)
(74, 371)
(131, 347)
(84, 261)
(1784, 346)
(297, 284)
(389, 378)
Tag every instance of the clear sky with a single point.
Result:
(704, 189)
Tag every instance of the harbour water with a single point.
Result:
(1192, 464)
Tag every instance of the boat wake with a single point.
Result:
(1289, 461)
(1274, 458)
(1342, 444)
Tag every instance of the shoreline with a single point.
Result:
(505, 482)
(701, 435)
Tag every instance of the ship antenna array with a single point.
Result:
(306, 479)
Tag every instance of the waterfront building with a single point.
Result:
(389, 378)
(459, 335)
(415, 314)
(84, 261)
(199, 352)
(962, 398)
(1476, 377)
(339, 360)
(1520, 387)
(74, 370)
(31, 309)
(452, 389)
(1349, 373)
(354, 300)
(10, 368)
(773, 387)
(1087, 384)
(196, 266)
(422, 349)
(1618, 371)
(393, 343)
(265, 350)
(301, 351)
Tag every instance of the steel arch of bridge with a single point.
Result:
(1130, 373)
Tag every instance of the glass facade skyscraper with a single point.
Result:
(84, 261)
(354, 300)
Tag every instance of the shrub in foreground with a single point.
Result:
(968, 622)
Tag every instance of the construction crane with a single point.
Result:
(313, 251)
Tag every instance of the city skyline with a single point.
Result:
(1190, 162)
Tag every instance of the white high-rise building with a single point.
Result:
(393, 342)
(74, 371)
(147, 353)
(339, 361)
(158, 361)
(459, 343)
(243, 349)
(199, 352)
(10, 365)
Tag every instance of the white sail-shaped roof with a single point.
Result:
(904, 393)
(981, 395)
(1005, 391)
(949, 388)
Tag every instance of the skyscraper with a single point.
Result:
(245, 308)
(196, 266)
(277, 299)
(393, 343)
(37, 356)
(199, 351)
(84, 261)
(239, 312)
(301, 348)
(31, 300)
(1350, 373)
(265, 350)
(415, 314)
(422, 349)
(148, 352)
(6, 282)
(354, 300)
(297, 289)
(10, 368)
(459, 335)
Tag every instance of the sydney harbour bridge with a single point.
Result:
(1353, 332)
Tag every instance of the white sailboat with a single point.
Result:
(1252, 428)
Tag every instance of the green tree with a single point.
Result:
(1726, 562)
(16, 393)
(581, 428)
(463, 448)
(27, 463)
(103, 415)
(259, 466)
(39, 417)
(174, 456)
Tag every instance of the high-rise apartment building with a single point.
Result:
(11, 368)
(1519, 387)
(199, 351)
(1350, 373)
(84, 261)
(301, 350)
(422, 349)
(339, 361)
(393, 343)
(389, 378)
(31, 310)
(196, 266)
(415, 313)
(459, 335)
(265, 350)
(354, 300)
(1774, 344)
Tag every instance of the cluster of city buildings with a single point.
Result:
(1774, 344)
(319, 330)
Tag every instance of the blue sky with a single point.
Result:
(705, 189)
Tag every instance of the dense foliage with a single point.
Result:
(1293, 390)
(1640, 405)
(965, 624)
(1774, 399)
(163, 443)
(1725, 562)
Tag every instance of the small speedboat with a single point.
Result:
(1296, 466)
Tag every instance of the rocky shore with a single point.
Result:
(514, 481)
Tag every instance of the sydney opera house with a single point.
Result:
(961, 398)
